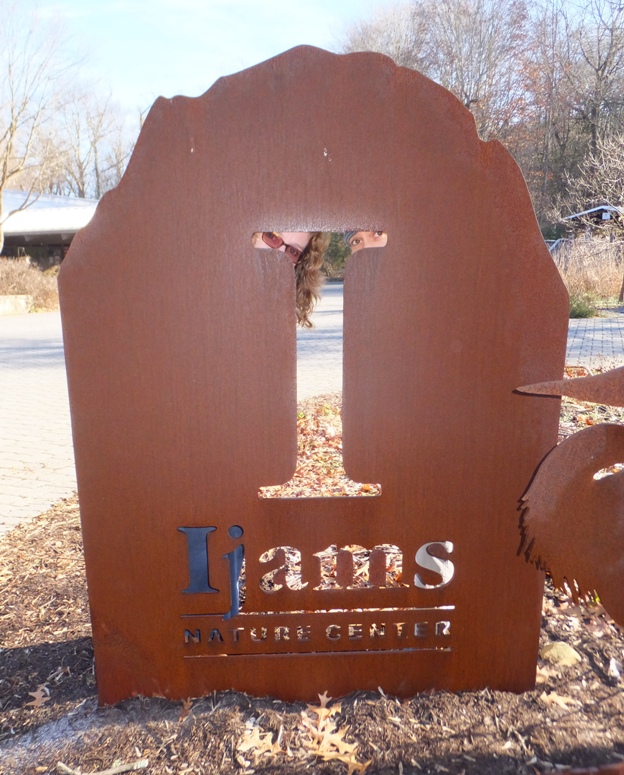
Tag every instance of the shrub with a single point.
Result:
(335, 257)
(18, 276)
(582, 305)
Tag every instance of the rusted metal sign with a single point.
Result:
(180, 347)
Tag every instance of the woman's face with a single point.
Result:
(368, 239)
(291, 239)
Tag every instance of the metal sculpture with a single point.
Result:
(573, 521)
(605, 388)
(180, 350)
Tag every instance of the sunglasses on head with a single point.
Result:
(273, 240)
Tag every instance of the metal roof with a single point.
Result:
(608, 208)
(47, 214)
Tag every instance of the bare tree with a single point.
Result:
(544, 76)
(546, 142)
(394, 30)
(600, 178)
(575, 83)
(117, 154)
(91, 145)
(597, 40)
(33, 71)
(472, 47)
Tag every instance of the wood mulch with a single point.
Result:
(50, 722)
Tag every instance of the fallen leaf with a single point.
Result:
(186, 709)
(40, 696)
(323, 712)
(544, 674)
(556, 699)
(256, 742)
(336, 738)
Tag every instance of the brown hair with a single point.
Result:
(309, 277)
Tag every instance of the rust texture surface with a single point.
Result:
(606, 388)
(573, 522)
(180, 348)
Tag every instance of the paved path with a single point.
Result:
(594, 342)
(36, 455)
(319, 349)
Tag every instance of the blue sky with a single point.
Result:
(142, 49)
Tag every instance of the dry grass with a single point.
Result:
(18, 276)
(591, 268)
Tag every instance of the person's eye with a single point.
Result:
(355, 241)
(378, 234)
